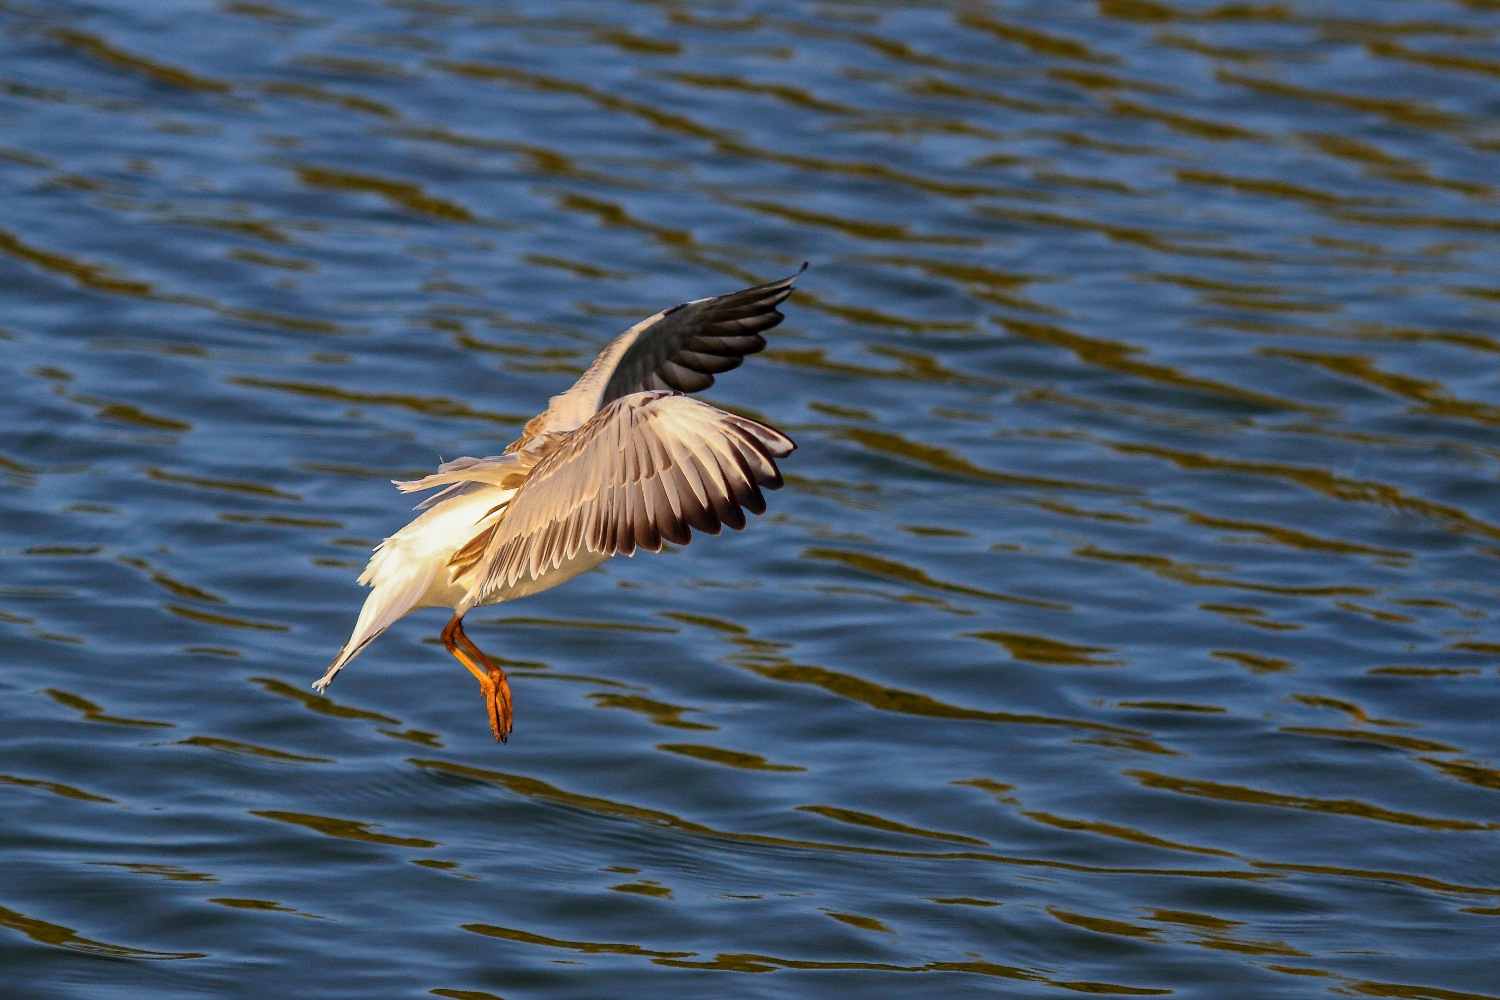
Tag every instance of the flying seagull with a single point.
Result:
(624, 460)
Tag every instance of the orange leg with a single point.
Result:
(491, 679)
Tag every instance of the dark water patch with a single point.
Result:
(543, 792)
(1380, 739)
(95, 713)
(224, 485)
(172, 873)
(1118, 832)
(319, 703)
(229, 746)
(886, 443)
(729, 758)
(344, 829)
(260, 905)
(175, 587)
(403, 194)
(583, 947)
(660, 713)
(856, 818)
(57, 936)
(54, 787)
(1039, 649)
(439, 406)
(222, 620)
(95, 276)
(1342, 807)
(888, 699)
(891, 569)
(647, 888)
(97, 48)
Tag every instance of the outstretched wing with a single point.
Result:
(681, 348)
(689, 344)
(649, 466)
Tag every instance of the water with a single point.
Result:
(1126, 626)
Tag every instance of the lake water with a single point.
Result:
(1126, 627)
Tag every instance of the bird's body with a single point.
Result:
(622, 460)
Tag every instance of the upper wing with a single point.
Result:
(649, 466)
(680, 348)
(689, 344)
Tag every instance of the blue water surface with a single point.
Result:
(1124, 628)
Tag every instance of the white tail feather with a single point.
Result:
(393, 596)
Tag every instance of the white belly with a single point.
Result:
(581, 563)
(428, 544)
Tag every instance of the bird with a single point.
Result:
(624, 460)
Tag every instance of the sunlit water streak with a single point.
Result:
(1123, 627)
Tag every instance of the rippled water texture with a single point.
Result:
(1126, 625)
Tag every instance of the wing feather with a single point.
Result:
(505, 471)
(679, 349)
(649, 467)
(726, 326)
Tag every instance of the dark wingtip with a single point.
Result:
(789, 279)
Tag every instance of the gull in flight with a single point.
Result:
(624, 460)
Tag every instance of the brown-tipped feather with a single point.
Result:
(648, 468)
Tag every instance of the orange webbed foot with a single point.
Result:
(496, 691)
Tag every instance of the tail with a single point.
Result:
(392, 597)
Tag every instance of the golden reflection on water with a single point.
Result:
(45, 932)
